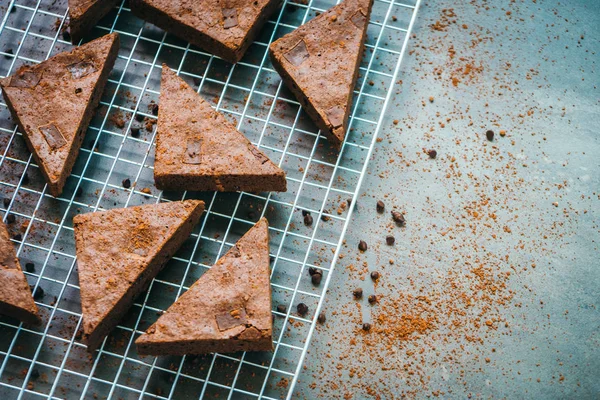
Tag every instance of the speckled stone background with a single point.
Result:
(529, 68)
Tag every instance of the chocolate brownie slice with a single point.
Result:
(54, 101)
(119, 252)
(227, 310)
(85, 14)
(223, 28)
(15, 296)
(319, 63)
(198, 149)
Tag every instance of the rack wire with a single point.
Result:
(49, 361)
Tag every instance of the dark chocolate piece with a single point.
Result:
(297, 54)
(53, 137)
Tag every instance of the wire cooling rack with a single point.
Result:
(50, 361)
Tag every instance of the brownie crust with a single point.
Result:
(97, 322)
(85, 14)
(55, 86)
(224, 32)
(233, 315)
(319, 62)
(198, 149)
(15, 296)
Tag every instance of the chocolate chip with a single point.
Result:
(153, 107)
(18, 237)
(126, 183)
(251, 215)
(390, 240)
(366, 327)
(398, 217)
(25, 179)
(316, 279)
(9, 51)
(489, 135)
(432, 154)
(374, 275)
(372, 299)
(322, 318)
(37, 293)
(324, 217)
(66, 35)
(35, 373)
(135, 132)
(305, 213)
(380, 206)
(6, 202)
(357, 293)
(308, 220)
(302, 309)
(79, 192)
(10, 218)
(281, 308)
(139, 117)
(362, 245)
(30, 267)
(78, 90)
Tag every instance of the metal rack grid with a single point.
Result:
(320, 180)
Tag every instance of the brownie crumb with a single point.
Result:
(281, 308)
(305, 213)
(10, 218)
(135, 132)
(35, 373)
(372, 299)
(398, 217)
(322, 318)
(316, 279)
(390, 240)
(6, 202)
(37, 293)
(357, 293)
(366, 327)
(362, 245)
(30, 267)
(308, 220)
(302, 309)
(380, 206)
(126, 183)
(153, 108)
(18, 237)
(66, 35)
(489, 135)
(139, 117)
(432, 154)
(79, 192)
(375, 275)
(9, 51)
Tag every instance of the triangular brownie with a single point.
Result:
(15, 296)
(225, 28)
(198, 149)
(319, 63)
(227, 310)
(84, 14)
(54, 101)
(119, 252)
